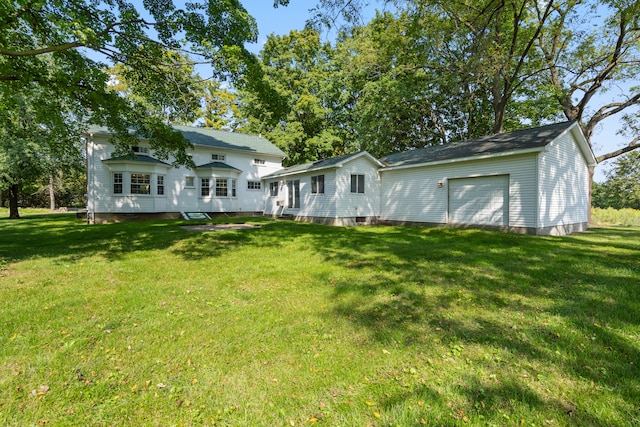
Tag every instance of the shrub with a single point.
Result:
(610, 216)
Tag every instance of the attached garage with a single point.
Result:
(479, 201)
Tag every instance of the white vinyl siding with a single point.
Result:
(420, 194)
(176, 197)
(321, 205)
(564, 178)
(367, 204)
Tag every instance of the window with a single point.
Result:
(357, 183)
(141, 150)
(204, 187)
(219, 157)
(189, 182)
(254, 185)
(317, 184)
(259, 162)
(117, 183)
(273, 189)
(160, 186)
(233, 188)
(222, 188)
(140, 183)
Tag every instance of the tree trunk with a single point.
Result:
(52, 196)
(14, 189)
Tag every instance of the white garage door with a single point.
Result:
(482, 201)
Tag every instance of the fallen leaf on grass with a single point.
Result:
(41, 391)
(377, 415)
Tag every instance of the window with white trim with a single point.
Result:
(222, 187)
(205, 189)
(233, 188)
(117, 183)
(273, 189)
(189, 182)
(141, 150)
(317, 184)
(259, 162)
(140, 183)
(254, 185)
(218, 157)
(160, 185)
(357, 184)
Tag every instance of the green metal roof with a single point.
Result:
(217, 139)
(217, 165)
(137, 158)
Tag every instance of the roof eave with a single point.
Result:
(583, 145)
(465, 159)
(137, 162)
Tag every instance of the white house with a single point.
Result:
(342, 190)
(227, 177)
(532, 181)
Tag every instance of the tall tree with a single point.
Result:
(170, 89)
(594, 68)
(221, 108)
(578, 58)
(289, 102)
(48, 42)
(36, 132)
(621, 189)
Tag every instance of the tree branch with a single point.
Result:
(633, 145)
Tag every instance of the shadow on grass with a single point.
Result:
(66, 239)
(567, 304)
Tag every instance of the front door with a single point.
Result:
(293, 190)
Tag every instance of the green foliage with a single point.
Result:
(444, 71)
(169, 89)
(46, 43)
(611, 216)
(221, 108)
(288, 102)
(38, 137)
(621, 188)
(323, 326)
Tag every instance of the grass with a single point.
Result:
(292, 324)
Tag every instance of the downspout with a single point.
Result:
(91, 219)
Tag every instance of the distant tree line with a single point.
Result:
(621, 189)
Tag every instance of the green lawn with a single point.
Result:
(291, 324)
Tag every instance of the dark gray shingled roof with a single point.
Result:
(487, 145)
(217, 165)
(138, 158)
(218, 139)
(311, 166)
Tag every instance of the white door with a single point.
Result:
(481, 201)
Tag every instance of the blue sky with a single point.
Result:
(279, 20)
